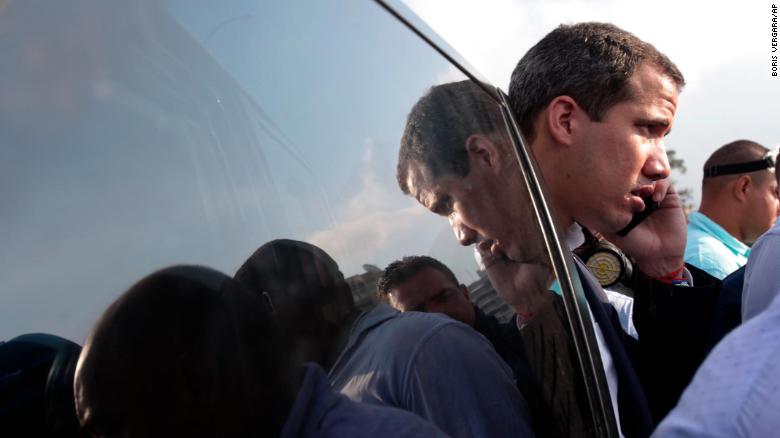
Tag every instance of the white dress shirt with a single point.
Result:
(575, 238)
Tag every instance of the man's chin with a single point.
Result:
(539, 257)
(614, 223)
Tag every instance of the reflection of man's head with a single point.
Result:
(305, 289)
(185, 352)
(424, 284)
(457, 161)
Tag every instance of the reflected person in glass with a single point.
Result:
(427, 364)
(424, 284)
(189, 352)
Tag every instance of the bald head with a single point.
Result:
(734, 153)
(185, 352)
(739, 189)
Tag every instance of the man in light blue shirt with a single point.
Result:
(712, 249)
(736, 392)
(739, 203)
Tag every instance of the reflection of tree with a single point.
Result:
(685, 193)
(364, 286)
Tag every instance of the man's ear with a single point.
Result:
(392, 300)
(269, 302)
(560, 119)
(482, 150)
(741, 187)
(465, 291)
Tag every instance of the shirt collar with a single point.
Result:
(364, 323)
(574, 236)
(703, 223)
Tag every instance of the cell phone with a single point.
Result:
(650, 207)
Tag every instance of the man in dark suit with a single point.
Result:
(488, 204)
(595, 102)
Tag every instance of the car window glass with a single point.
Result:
(139, 135)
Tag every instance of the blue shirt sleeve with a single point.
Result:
(762, 276)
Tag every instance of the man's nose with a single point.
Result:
(657, 164)
(463, 233)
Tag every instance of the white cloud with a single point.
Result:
(371, 224)
(698, 35)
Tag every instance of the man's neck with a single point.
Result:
(541, 148)
(565, 221)
(723, 218)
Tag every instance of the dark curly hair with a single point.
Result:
(401, 270)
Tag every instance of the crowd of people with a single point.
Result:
(686, 335)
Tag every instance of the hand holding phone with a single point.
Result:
(650, 207)
(655, 237)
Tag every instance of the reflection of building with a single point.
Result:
(364, 286)
(484, 296)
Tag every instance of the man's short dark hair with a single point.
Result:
(399, 271)
(589, 62)
(289, 267)
(740, 151)
(439, 124)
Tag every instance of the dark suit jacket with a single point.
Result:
(634, 410)
(674, 325)
(728, 308)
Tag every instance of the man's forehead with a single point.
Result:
(421, 185)
(650, 84)
(405, 297)
(424, 282)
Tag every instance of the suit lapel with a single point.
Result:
(635, 419)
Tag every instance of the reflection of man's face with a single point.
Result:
(490, 201)
(430, 290)
(618, 159)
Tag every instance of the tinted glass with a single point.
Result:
(138, 135)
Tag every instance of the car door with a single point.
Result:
(139, 135)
